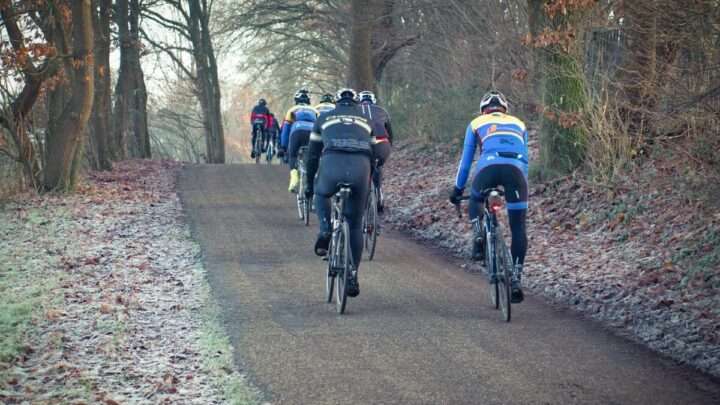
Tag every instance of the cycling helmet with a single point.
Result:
(327, 98)
(301, 97)
(346, 94)
(262, 101)
(493, 100)
(367, 95)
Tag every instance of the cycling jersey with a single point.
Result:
(502, 139)
(299, 117)
(380, 120)
(324, 107)
(260, 113)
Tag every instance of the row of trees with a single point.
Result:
(598, 76)
(59, 111)
(603, 79)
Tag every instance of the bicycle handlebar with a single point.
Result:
(457, 206)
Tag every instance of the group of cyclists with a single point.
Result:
(349, 138)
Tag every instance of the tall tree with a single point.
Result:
(207, 79)
(130, 117)
(361, 69)
(553, 25)
(100, 119)
(71, 103)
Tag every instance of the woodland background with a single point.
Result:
(607, 84)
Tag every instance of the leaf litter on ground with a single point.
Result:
(113, 299)
(640, 256)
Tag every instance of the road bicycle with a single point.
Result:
(498, 260)
(259, 135)
(371, 221)
(303, 203)
(340, 266)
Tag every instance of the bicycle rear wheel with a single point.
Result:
(344, 264)
(306, 202)
(331, 272)
(491, 264)
(258, 147)
(504, 267)
(371, 223)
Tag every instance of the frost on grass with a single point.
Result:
(107, 298)
(638, 258)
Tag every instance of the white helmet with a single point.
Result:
(367, 95)
(346, 93)
(493, 99)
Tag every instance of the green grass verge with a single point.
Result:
(25, 284)
(217, 356)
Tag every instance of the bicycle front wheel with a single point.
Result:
(344, 264)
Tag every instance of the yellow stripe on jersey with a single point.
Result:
(290, 116)
(496, 118)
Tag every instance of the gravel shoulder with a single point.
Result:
(631, 257)
(105, 299)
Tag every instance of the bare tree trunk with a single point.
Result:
(100, 129)
(121, 114)
(361, 69)
(141, 139)
(562, 92)
(207, 83)
(65, 138)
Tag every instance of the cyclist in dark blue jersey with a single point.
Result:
(502, 139)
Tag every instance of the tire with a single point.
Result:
(306, 210)
(330, 274)
(300, 196)
(258, 147)
(371, 224)
(345, 262)
(504, 278)
(491, 263)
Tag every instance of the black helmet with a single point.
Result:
(346, 94)
(327, 98)
(493, 100)
(301, 97)
(262, 101)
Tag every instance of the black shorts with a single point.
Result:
(510, 177)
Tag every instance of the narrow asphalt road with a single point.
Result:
(421, 331)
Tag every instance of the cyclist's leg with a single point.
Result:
(356, 172)
(382, 153)
(325, 186)
(298, 139)
(516, 195)
(252, 140)
(485, 178)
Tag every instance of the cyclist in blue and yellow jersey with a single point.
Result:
(327, 103)
(502, 139)
(380, 120)
(296, 129)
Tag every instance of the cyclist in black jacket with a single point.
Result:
(345, 140)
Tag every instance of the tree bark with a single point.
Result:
(141, 138)
(66, 134)
(121, 113)
(100, 128)
(562, 93)
(361, 69)
(207, 83)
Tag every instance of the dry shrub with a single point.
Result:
(610, 145)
